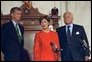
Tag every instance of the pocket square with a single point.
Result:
(77, 33)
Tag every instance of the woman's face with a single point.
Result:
(44, 23)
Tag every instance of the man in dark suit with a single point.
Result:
(73, 40)
(12, 37)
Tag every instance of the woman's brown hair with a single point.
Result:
(44, 17)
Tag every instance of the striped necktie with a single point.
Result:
(68, 35)
(18, 33)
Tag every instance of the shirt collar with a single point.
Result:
(14, 22)
(71, 25)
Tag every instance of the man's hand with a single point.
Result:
(2, 56)
(86, 58)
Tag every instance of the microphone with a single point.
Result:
(54, 47)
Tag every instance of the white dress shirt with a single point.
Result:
(17, 26)
(71, 28)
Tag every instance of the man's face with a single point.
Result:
(16, 15)
(68, 18)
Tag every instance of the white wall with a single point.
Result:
(7, 5)
(80, 9)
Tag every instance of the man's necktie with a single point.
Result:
(68, 34)
(19, 35)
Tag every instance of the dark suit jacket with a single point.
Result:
(77, 51)
(10, 45)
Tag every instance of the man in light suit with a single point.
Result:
(72, 37)
(12, 40)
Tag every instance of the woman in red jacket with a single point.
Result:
(46, 43)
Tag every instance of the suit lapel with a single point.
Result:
(64, 31)
(13, 29)
(73, 31)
